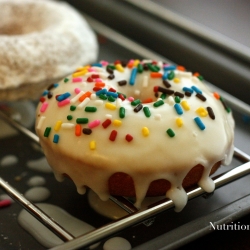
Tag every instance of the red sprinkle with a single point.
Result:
(89, 79)
(148, 100)
(129, 137)
(5, 203)
(113, 135)
(156, 75)
(106, 123)
(155, 89)
(216, 95)
(181, 68)
(94, 76)
(112, 90)
(121, 96)
(42, 99)
(97, 89)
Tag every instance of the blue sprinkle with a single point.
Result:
(169, 67)
(56, 138)
(45, 92)
(102, 91)
(113, 94)
(199, 123)
(186, 89)
(56, 85)
(133, 76)
(63, 96)
(178, 109)
(97, 65)
(165, 75)
(197, 90)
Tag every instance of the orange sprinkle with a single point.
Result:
(148, 100)
(100, 84)
(130, 65)
(196, 74)
(181, 68)
(156, 75)
(78, 130)
(216, 95)
(84, 96)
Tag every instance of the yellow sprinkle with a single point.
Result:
(185, 105)
(179, 122)
(145, 131)
(201, 112)
(136, 62)
(92, 145)
(119, 67)
(110, 106)
(176, 80)
(58, 125)
(79, 73)
(117, 123)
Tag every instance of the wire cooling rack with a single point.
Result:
(134, 216)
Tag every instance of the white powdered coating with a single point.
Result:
(37, 194)
(36, 181)
(43, 235)
(117, 243)
(53, 43)
(8, 160)
(40, 165)
(152, 154)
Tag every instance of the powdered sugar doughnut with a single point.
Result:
(40, 42)
(135, 128)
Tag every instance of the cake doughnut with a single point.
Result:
(136, 128)
(40, 43)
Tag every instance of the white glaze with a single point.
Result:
(116, 243)
(37, 194)
(44, 235)
(145, 158)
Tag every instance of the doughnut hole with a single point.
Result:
(19, 19)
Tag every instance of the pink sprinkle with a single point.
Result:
(63, 103)
(98, 80)
(5, 203)
(94, 123)
(131, 61)
(44, 107)
(77, 79)
(77, 90)
(104, 63)
(131, 98)
(91, 70)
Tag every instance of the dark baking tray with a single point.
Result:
(227, 204)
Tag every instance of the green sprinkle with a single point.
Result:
(136, 102)
(69, 117)
(72, 108)
(201, 78)
(146, 111)
(153, 68)
(158, 103)
(111, 66)
(47, 132)
(171, 75)
(82, 120)
(139, 68)
(90, 109)
(111, 98)
(170, 132)
(228, 109)
(103, 97)
(163, 96)
(177, 99)
(122, 112)
(66, 80)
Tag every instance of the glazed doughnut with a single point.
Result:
(135, 128)
(40, 43)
